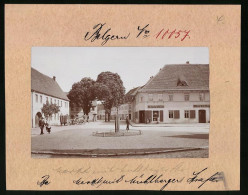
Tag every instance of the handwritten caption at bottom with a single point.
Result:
(152, 179)
(142, 179)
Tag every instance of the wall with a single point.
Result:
(36, 107)
(178, 103)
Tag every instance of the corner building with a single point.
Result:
(179, 93)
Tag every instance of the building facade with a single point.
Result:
(45, 89)
(177, 94)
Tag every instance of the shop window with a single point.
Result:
(36, 98)
(170, 97)
(174, 114)
(186, 113)
(155, 115)
(186, 97)
(201, 96)
(150, 97)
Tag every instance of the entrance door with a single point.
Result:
(202, 116)
(37, 118)
(142, 116)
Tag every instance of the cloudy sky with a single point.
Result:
(135, 65)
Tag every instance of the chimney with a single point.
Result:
(54, 78)
(187, 62)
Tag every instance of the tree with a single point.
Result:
(110, 91)
(83, 93)
(49, 109)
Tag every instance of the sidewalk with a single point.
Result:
(169, 125)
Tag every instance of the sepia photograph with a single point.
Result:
(120, 102)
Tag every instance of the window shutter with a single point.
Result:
(192, 113)
(176, 114)
(161, 116)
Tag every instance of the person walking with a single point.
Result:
(41, 125)
(127, 122)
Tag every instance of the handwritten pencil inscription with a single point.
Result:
(199, 178)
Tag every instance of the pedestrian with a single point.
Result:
(48, 127)
(41, 125)
(127, 122)
(88, 118)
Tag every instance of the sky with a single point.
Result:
(135, 65)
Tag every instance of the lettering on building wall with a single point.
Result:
(201, 106)
(155, 106)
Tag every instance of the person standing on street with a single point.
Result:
(127, 122)
(41, 125)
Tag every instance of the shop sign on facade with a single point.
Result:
(201, 106)
(155, 106)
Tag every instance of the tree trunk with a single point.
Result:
(117, 122)
(108, 117)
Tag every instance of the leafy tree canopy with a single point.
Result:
(49, 109)
(83, 93)
(110, 90)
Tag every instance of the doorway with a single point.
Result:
(37, 118)
(142, 116)
(202, 116)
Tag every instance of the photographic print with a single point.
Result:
(122, 97)
(120, 102)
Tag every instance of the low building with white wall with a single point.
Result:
(46, 89)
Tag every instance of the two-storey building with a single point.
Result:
(46, 89)
(179, 93)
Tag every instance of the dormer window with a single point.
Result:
(181, 81)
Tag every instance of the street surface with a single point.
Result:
(79, 139)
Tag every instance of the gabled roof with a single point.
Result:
(179, 77)
(46, 85)
(130, 94)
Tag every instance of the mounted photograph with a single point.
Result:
(120, 102)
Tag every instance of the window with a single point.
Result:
(171, 114)
(189, 113)
(170, 97)
(41, 99)
(65, 104)
(36, 98)
(141, 99)
(174, 114)
(93, 108)
(201, 96)
(160, 97)
(186, 113)
(150, 97)
(51, 100)
(61, 103)
(186, 97)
